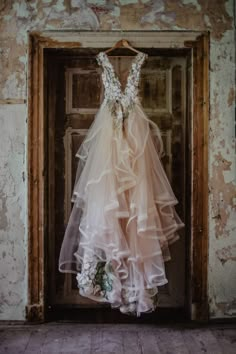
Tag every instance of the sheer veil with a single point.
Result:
(123, 217)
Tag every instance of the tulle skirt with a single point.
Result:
(123, 217)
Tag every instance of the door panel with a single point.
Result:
(80, 92)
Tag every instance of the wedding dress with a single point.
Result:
(123, 217)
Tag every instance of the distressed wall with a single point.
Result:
(19, 17)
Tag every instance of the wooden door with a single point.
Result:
(74, 94)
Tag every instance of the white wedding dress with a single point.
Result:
(123, 217)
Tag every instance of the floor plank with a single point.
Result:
(77, 340)
(148, 343)
(177, 344)
(112, 342)
(164, 340)
(53, 340)
(131, 343)
(74, 338)
(226, 340)
(35, 342)
(14, 341)
(191, 344)
(96, 342)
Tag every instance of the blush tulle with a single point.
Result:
(123, 217)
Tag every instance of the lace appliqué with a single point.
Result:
(95, 277)
(130, 307)
(95, 281)
(120, 103)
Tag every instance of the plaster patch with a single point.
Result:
(23, 59)
(223, 309)
(60, 5)
(96, 2)
(207, 21)
(7, 17)
(21, 10)
(227, 254)
(83, 18)
(231, 96)
(156, 11)
(11, 88)
(13, 211)
(12, 72)
(75, 3)
(228, 176)
(116, 11)
(191, 2)
(128, 2)
(191, 15)
(3, 211)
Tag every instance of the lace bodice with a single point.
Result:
(120, 102)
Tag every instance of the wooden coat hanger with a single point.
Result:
(122, 43)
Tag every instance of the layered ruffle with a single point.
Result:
(123, 218)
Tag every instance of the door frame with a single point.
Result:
(198, 45)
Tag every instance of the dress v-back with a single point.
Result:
(123, 218)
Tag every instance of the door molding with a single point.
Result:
(198, 45)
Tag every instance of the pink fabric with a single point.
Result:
(123, 213)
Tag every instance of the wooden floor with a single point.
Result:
(116, 339)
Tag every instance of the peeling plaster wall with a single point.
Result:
(13, 211)
(222, 179)
(19, 17)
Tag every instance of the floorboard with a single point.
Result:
(72, 338)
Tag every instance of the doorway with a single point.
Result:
(72, 94)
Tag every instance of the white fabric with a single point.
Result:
(123, 218)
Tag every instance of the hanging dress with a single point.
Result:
(123, 217)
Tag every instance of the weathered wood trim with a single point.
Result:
(48, 41)
(35, 239)
(37, 213)
(199, 244)
(204, 305)
(13, 101)
(105, 39)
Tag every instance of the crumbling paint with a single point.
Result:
(231, 97)
(13, 211)
(19, 17)
(12, 72)
(222, 178)
(227, 254)
(223, 198)
(3, 208)
(195, 15)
